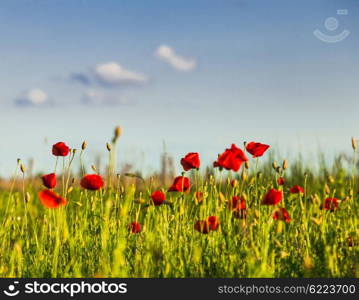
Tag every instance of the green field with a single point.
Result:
(90, 236)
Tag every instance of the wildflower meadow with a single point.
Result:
(246, 215)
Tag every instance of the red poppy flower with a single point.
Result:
(92, 182)
(256, 149)
(330, 204)
(49, 180)
(281, 181)
(202, 226)
(50, 199)
(231, 159)
(199, 196)
(213, 222)
(296, 189)
(205, 226)
(273, 197)
(238, 207)
(237, 203)
(60, 149)
(180, 184)
(190, 161)
(158, 197)
(281, 214)
(135, 227)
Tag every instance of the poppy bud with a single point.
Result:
(350, 241)
(18, 161)
(280, 181)
(354, 144)
(84, 145)
(117, 132)
(27, 197)
(274, 165)
(317, 221)
(246, 164)
(74, 151)
(279, 169)
(22, 168)
(279, 228)
(234, 183)
(108, 146)
(244, 176)
(93, 167)
(284, 254)
(331, 179)
(198, 197)
(285, 164)
(308, 263)
(327, 189)
(222, 198)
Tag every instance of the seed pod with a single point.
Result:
(285, 164)
(18, 161)
(84, 145)
(354, 144)
(93, 167)
(245, 144)
(109, 147)
(74, 151)
(246, 164)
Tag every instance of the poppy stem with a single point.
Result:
(24, 198)
(353, 175)
(57, 160)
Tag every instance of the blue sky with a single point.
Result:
(199, 75)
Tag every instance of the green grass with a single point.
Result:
(89, 236)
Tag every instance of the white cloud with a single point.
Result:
(99, 97)
(112, 73)
(32, 97)
(180, 63)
